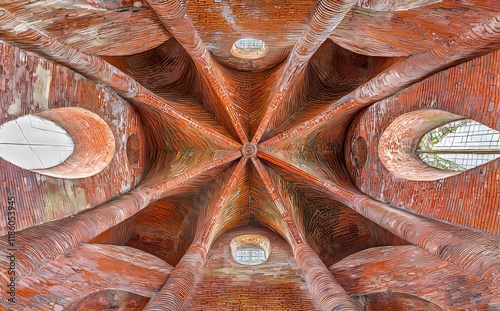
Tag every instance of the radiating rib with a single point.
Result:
(286, 213)
(161, 189)
(39, 244)
(207, 230)
(340, 194)
(326, 17)
(21, 34)
(481, 39)
(473, 250)
(321, 283)
(187, 272)
(173, 16)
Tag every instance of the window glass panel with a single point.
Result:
(250, 254)
(249, 44)
(32, 142)
(249, 48)
(459, 145)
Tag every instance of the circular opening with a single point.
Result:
(359, 152)
(94, 142)
(250, 249)
(249, 48)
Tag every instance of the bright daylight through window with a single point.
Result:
(249, 48)
(250, 255)
(459, 145)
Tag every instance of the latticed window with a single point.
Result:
(250, 254)
(459, 145)
(250, 249)
(249, 48)
(249, 44)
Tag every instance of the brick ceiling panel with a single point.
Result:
(104, 28)
(228, 144)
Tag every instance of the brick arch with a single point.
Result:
(94, 143)
(110, 299)
(396, 301)
(397, 145)
(250, 239)
(90, 269)
(411, 271)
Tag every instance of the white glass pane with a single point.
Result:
(32, 142)
(465, 144)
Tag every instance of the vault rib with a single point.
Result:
(23, 35)
(188, 271)
(40, 244)
(208, 231)
(174, 18)
(321, 282)
(58, 237)
(480, 40)
(326, 17)
(160, 190)
(472, 250)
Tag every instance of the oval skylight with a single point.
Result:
(249, 48)
(32, 142)
(250, 254)
(250, 249)
(459, 145)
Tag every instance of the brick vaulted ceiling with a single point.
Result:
(226, 143)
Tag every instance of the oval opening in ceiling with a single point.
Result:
(415, 145)
(459, 145)
(249, 48)
(250, 249)
(89, 143)
(35, 143)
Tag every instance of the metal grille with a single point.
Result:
(249, 44)
(250, 254)
(459, 145)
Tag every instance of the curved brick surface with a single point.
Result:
(208, 145)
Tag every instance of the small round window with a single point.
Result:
(249, 48)
(250, 249)
(250, 255)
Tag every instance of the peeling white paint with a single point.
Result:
(391, 5)
(41, 88)
(228, 15)
(15, 108)
(92, 5)
(125, 186)
(21, 27)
